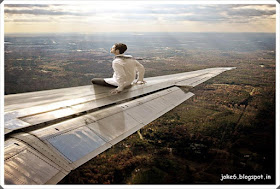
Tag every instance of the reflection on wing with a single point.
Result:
(59, 130)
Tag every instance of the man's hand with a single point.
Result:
(115, 91)
(140, 82)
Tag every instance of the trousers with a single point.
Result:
(101, 81)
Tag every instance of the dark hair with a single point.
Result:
(121, 47)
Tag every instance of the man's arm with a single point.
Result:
(141, 71)
(120, 76)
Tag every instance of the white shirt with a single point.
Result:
(125, 68)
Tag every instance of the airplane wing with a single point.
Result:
(49, 133)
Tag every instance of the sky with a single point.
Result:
(138, 17)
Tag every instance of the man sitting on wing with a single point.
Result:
(125, 68)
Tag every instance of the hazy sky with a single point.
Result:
(139, 17)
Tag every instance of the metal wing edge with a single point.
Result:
(48, 152)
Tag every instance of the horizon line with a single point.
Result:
(30, 33)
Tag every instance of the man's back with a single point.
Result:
(125, 69)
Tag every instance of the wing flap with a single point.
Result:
(27, 165)
(77, 143)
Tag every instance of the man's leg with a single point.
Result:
(101, 81)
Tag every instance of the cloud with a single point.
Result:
(165, 13)
(137, 17)
(29, 20)
(222, 13)
(199, 18)
(43, 12)
(250, 12)
(250, 5)
(26, 5)
(163, 9)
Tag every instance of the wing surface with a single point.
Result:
(59, 130)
